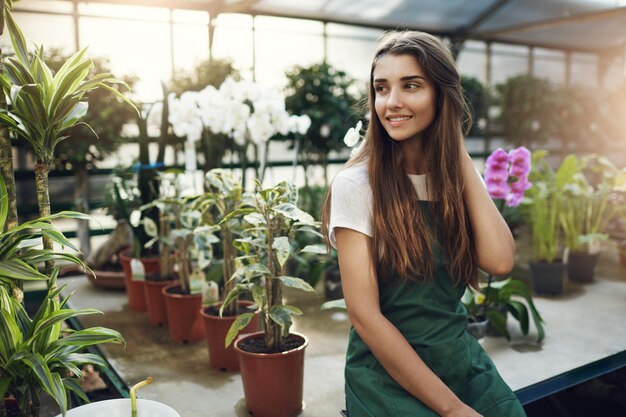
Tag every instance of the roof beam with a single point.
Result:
(473, 26)
(556, 22)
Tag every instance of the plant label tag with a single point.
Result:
(138, 273)
(196, 281)
(210, 293)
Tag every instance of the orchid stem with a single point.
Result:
(133, 394)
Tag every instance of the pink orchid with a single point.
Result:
(506, 175)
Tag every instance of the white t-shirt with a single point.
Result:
(351, 200)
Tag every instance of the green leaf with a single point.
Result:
(17, 269)
(519, 311)
(498, 322)
(89, 337)
(295, 282)
(281, 315)
(251, 271)
(238, 213)
(319, 248)
(339, 304)
(56, 317)
(282, 249)
(292, 212)
(17, 38)
(50, 382)
(72, 385)
(232, 296)
(240, 322)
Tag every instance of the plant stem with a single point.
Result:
(42, 168)
(273, 336)
(228, 270)
(486, 302)
(165, 262)
(133, 394)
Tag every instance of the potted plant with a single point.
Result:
(37, 354)
(589, 207)
(124, 407)
(542, 207)
(224, 195)
(183, 298)
(495, 299)
(477, 321)
(167, 204)
(44, 106)
(272, 362)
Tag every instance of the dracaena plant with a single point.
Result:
(271, 219)
(43, 105)
(18, 257)
(224, 195)
(38, 355)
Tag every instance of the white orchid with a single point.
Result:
(353, 135)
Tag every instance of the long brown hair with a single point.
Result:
(407, 252)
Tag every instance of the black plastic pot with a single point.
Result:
(548, 277)
(581, 265)
(478, 328)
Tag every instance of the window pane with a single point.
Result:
(584, 70)
(280, 48)
(48, 30)
(44, 6)
(190, 34)
(471, 63)
(549, 64)
(125, 12)
(234, 43)
(351, 48)
(508, 61)
(146, 53)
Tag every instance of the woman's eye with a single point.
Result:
(412, 86)
(380, 88)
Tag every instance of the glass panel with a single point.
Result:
(145, 54)
(549, 64)
(234, 20)
(123, 11)
(276, 53)
(52, 31)
(508, 61)
(234, 43)
(584, 70)
(189, 34)
(190, 16)
(357, 62)
(288, 25)
(334, 29)
(471, 63)
(44, 6)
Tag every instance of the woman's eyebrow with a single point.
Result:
(406, 78)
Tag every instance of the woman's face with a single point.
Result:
(404, 98)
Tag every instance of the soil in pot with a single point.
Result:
(257, 345)
(10, 407)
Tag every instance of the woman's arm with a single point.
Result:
(391, 349)
(495, 247)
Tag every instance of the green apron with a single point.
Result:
(433, 320)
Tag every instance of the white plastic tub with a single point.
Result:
(121, 408)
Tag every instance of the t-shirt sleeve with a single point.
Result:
(350, 207)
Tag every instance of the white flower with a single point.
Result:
(303, 124)
(324, 130)
(352, 135)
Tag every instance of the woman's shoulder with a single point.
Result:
(356, 174)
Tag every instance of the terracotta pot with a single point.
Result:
(581, 266)
(183, 314)
(548, 277)
(134, 289)
(111, 280)
(155, 303)
(272, 382)
(216, 328)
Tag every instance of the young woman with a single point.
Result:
(412, 222)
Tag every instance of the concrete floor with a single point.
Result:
(184, 380)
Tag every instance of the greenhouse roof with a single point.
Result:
(582, 25)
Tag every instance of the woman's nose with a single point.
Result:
(394, 99)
